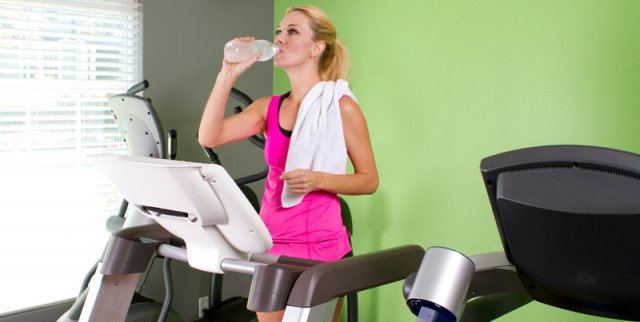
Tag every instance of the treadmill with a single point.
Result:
(202, 217)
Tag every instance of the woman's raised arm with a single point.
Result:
(214, 129)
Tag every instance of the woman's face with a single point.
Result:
(294, 37)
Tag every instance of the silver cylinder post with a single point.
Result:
(441, 283)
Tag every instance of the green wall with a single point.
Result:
(445, 83)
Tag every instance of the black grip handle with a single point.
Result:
(213, 156)
(240, 96)
(252, 178)
(138, 87)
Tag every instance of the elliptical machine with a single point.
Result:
(141, 129)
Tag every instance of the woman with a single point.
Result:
(309, 53)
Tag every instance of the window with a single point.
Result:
(59, 62)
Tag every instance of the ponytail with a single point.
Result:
(334, 63)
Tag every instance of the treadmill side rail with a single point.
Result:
(324, 282)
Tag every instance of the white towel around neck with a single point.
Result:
(317, 142)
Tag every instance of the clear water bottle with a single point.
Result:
(237, 51)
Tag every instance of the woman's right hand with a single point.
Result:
(234, 70)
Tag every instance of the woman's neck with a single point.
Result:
(302, 80)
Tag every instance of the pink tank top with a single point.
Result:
(312, 229)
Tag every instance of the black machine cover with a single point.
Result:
(569, 220)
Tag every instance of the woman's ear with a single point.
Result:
(317, 48)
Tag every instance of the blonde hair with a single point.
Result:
(334, 61)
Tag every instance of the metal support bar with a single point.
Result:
(494, 274)
(173, 252)
(228, 265)
(239, 266)
(109, 297)
(495, 289)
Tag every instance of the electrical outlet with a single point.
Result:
(203, 305)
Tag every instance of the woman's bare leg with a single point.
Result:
(270, 316)
(338, 312)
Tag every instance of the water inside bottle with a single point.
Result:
(265, 49)
(237, 51)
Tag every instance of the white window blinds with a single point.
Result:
(59, 62)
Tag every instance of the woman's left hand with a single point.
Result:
(302, 180)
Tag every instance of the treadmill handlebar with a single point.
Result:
(228, 264)
(324, 282)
